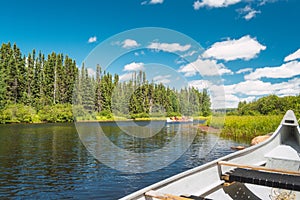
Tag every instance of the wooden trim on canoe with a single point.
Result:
(154, 194)
(259, 168)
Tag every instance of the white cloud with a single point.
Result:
(259, 88)
(197, 5)
(251, 14)
(152, 2)
(129, 43)
(246, 91)
(188, 54)
(139, 53)
(214, 3)
(162, 79)
(92, 39)
(156, 1)
(179, 61)
(169, 47)
(232, 101)
(134, 67)
(245, 70)
(126, 77)
(289, 88)
(248, 12)
(91, 72)
(244, 48)
(286, 70)
(263, 2)
(293, 56)
(204, 68)
(200, 84)
(249, 88)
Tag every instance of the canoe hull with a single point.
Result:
(205, 180)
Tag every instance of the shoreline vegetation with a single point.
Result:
(39, 88)
(36, 88)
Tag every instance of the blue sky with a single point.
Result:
(254, 44)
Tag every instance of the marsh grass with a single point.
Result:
(248, 127)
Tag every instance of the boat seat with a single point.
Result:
(276, 178)
(152, 195)
(283, 157)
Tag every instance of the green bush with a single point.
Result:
(56, 113)
(105, 113)
(17, 113)
(140, 115)
(173, 114)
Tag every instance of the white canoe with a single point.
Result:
(279, 155)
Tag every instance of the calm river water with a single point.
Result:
(49, 161)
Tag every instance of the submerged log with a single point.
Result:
(238, 147)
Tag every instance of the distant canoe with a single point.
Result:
(178, 121)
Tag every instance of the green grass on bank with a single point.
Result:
(246, 127)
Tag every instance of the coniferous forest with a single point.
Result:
(40, 88)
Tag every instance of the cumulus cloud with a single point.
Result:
(232, 101)
(129, 43)
(214, 3)
(246, 91)
(249, 88)
(200, 84)
(261, 88)
(205, 67)
(169, 47)
(287, 70)
(92, 39)
(293, 56)
(244, 48)
(164, 79)
(134, 67)
(245, 70)
(248, 13)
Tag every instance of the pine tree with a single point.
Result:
(37, 85)
(205, 103)
(71, 73)
(2, 89)
(98, 97)
(49, 81)
(27, 96)
(88, 93)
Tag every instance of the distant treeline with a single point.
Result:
(37, 88)
(136, 98)
(269, 105)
